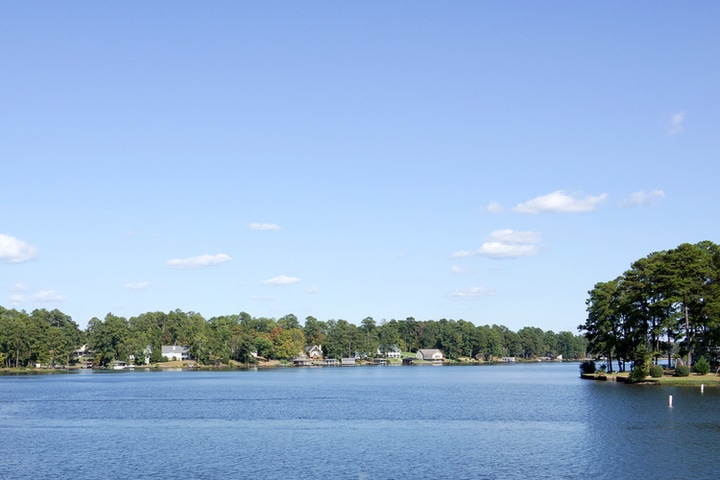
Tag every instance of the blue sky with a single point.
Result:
(485, 161)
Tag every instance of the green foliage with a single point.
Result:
(587, 367)
(702, 366)
(668, 301)
(51, 337)
(682, 371)
(656, 371)
(45, 337)
(638, 374)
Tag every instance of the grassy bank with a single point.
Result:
(711, 379)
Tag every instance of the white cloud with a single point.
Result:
(198, 262)
(312, 289)
(136, 286)
(473, 293)
(14, 250)
(506, 250)
(48, 296)
(676, 124)
(17, 298)
(458, 269)
(643, 198)
(265, 227)
(494, 207)
(559, 202)
(506, 243)
(20, 287)
(281, 280)
(508, 235)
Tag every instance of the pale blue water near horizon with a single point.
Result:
(537, 421)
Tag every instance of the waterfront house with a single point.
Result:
(118, 365)
(302, 362)
(390, 351)
(314, 351)
(175, 352)
(430, 355)
(145, 355)
(347, 361)
(82, 352)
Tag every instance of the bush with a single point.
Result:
(682, 371)
(702, 366)
(638, 374)
(656, 371)
(587, 367)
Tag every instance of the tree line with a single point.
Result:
(667, 305)
(50, 338)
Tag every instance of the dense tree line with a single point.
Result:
(666, 305)
(47, 337)
(50, 338)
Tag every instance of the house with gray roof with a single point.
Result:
(314, 351)
(389, 351)
(434, 355)
(175, 352)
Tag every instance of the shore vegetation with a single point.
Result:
(52, 339)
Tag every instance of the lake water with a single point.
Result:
(525, 421)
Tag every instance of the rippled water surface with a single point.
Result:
(537, 421)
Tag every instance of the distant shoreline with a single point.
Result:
(191, 365)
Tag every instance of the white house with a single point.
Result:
(175, 352)
(391, 351)
(430, 354)
(314, 351)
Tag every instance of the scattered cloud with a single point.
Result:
(676, 124)
(559, 202)
(198, 262)
(508, 235)
(312, 289)
(17, 299)
(643, 198)
(21, 296)
(458, 269)
(136, 286)
(14, 250)
(473, 293)
(494, 207)
(506, 243)
(265, 227)
(281, 280)
(506, 250)
(48, 296)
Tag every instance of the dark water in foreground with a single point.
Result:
(534, 421)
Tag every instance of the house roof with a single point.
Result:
(174, 349)
(390, 348)
(430, 352)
